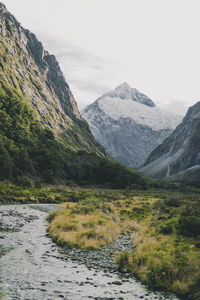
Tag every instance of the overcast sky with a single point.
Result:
(153, 45)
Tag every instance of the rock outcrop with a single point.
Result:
(27, 67)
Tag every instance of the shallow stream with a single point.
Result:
(32, 267)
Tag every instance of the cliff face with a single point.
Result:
(42, 135)
(32, 71)
(178, 157)
(128, 124)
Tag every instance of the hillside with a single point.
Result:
(27, 67)
(177, 158)
(42, 134)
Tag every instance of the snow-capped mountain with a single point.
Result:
(129, 124)
(178, 157)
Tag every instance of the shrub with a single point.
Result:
(123, 260)
(169, 226)
(189, 226)
(172, 201)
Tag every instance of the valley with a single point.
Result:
(78, 221)
(115, 232)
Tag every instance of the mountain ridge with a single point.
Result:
(124, 91)
(43, 138)
(128, 124)
(26, 66)
(178, 157)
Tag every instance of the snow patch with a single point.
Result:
(153, 117)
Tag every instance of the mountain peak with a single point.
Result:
(125, 92)
(124, 86)
(128, 124)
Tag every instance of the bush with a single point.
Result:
(169, 226)
(24, 182)
(189, 226)
(123, 260)
(172, 201)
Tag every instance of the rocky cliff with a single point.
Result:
(178, 157)
(33, 72)
(42, 135)
(128, 124)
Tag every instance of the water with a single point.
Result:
(33, 267)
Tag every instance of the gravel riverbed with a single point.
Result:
(32, 267)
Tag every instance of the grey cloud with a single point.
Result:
(90, 87)
(176, 106)
(63, 49)
(78, 65)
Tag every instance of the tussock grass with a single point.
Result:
(94, 222)
(88, 224)
(166, 253)
(166, 226)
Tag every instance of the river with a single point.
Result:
(32, 267)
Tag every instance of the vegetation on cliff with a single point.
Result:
(28, 68)
(27, 149)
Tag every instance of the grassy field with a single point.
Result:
(166, 248)
(166, 226)
(165, 223)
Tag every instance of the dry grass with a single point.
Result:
(83, 231)
(91, 224)
(165, 262)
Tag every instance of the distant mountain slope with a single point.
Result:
(33, 72)
(128, 124)
(178, 157)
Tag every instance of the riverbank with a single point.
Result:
(166, 248)
(166, 252)
(36, 268)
